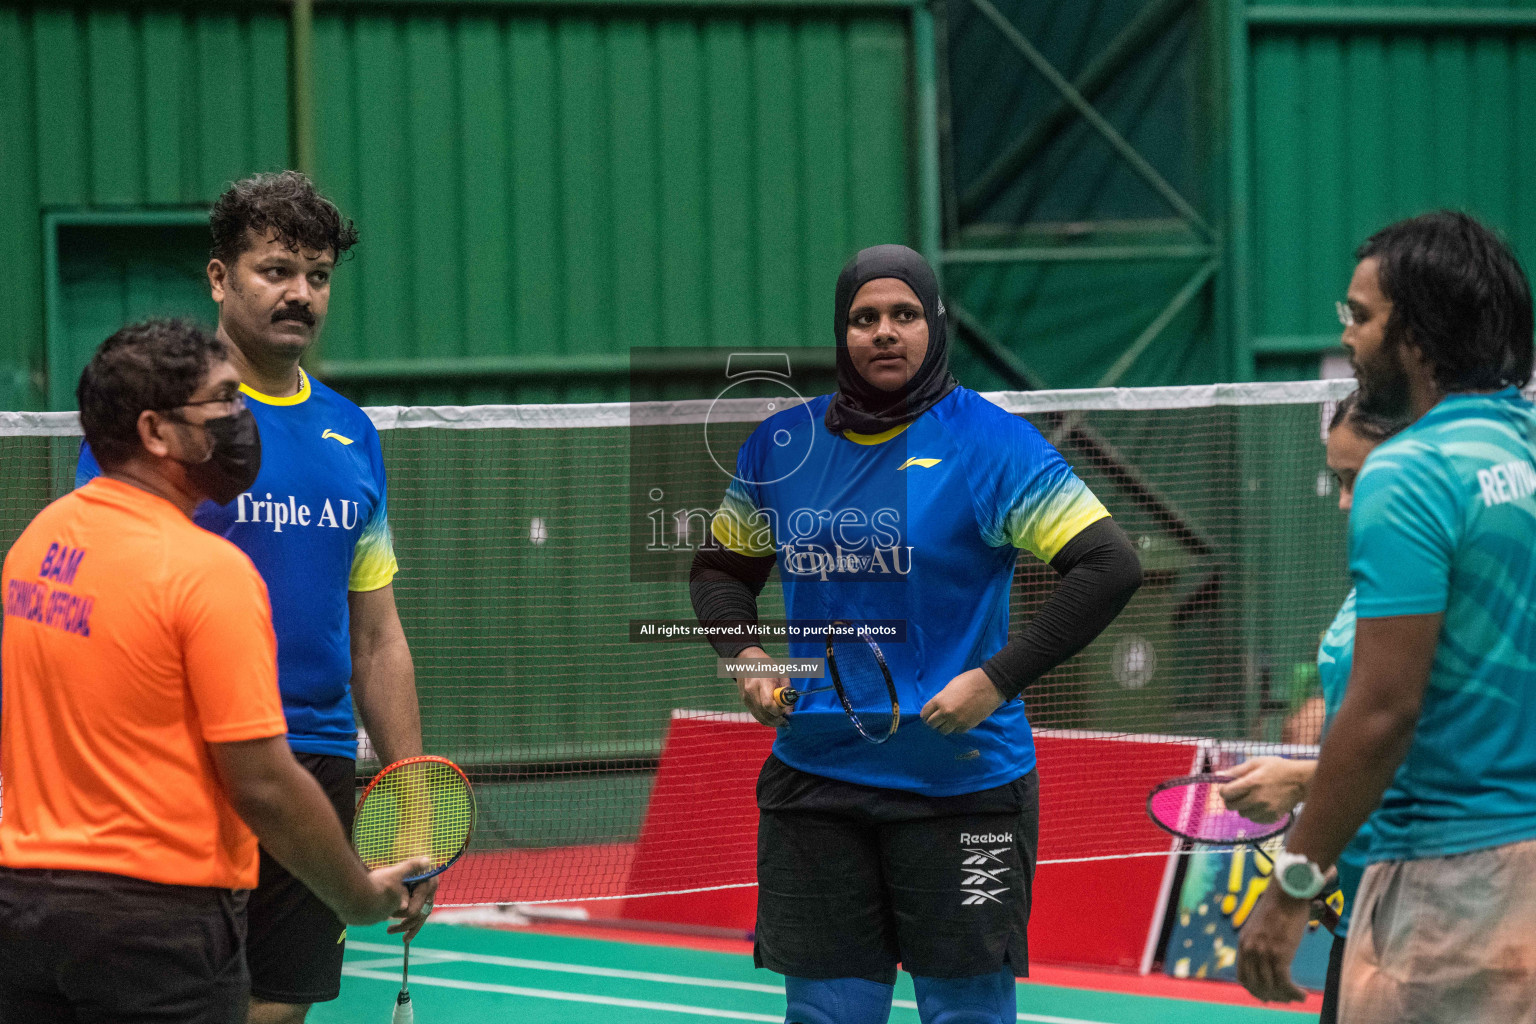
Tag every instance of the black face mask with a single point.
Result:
(231, 467)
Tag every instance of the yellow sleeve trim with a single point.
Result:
(1050, 545)
(296, 399)
(373, 571)
(368, 586)
(754, 541)
(880, 438)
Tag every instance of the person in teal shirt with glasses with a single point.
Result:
(1264, 788)
(1434, 739)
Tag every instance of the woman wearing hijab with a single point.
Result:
(905, 496)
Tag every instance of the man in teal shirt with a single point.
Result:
(1265, 788)
(1438, 725)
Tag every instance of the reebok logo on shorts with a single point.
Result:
(983, 867)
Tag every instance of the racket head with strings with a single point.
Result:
(417, 807)
(1191, 807)
(862, 681)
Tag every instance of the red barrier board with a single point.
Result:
(1093, 797)
(700, 833)
(700, 827)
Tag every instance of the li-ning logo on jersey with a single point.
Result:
(983, 868)
(925, 463)
(339, 515)
(335, 437)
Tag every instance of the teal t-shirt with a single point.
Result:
(1334, 657)
(1444, 521)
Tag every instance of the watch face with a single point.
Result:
(1298, 877)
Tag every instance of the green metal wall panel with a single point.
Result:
(1348, 116)
(529, 183)
(1078, 166)
(121, 107)
(1357, 125)
(535, 184)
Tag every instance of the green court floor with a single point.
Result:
(463, 975)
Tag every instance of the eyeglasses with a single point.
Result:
(235, 401)
(1346, 315)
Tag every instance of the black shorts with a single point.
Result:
(92, 948)
(1330, 1012)
(853, 880)
(296, 942)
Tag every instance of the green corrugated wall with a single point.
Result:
(536, 184)
(542, 188)
(530, 184)
(110, 107)
(1356, 122)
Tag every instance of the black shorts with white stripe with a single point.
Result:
(853, 880)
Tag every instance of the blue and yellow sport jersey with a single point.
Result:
(1444, 521)
(1335, 656)
(316, 525)
(920, 524)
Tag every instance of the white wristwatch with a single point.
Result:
(1298, 876)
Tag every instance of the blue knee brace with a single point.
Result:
(984, 999)
(837, 1001)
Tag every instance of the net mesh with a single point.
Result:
(532, 540)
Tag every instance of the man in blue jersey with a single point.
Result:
(316, 526)
(905, 497)
(1437, 722)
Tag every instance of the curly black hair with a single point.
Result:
(287, 203)
(1459, 295)
(153, 364)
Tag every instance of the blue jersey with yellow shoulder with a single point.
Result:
(316, 525)
(921, 524)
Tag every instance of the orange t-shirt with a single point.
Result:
(133, 639)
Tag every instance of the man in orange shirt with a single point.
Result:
(142, 737)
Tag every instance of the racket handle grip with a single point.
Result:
(405, 1013)
(785, 697)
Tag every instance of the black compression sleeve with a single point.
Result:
(724, 587)
(1099, 573)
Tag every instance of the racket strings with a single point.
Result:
(865, 687)
(422, 809)
(1193, 808)
(862, 680)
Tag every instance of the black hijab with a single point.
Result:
(859, 405)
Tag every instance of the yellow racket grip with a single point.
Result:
(785, 697)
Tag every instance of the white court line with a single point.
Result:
(444, 955)
(1033, 1018)
(363, 969)
(395, 962)
(571, 997)
(645, 1004)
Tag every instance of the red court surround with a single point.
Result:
(700, 831)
